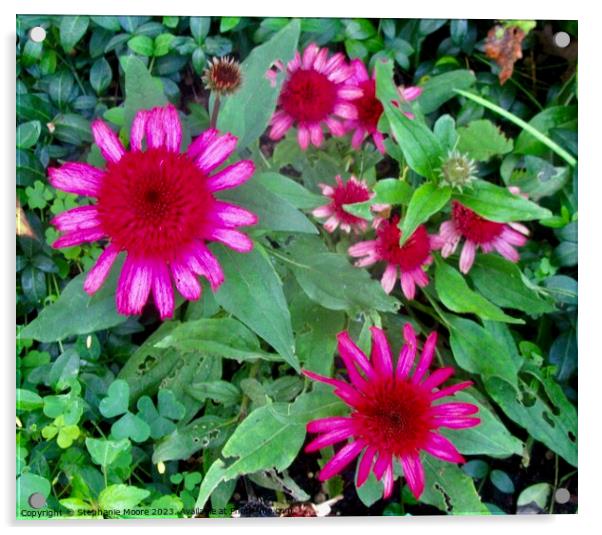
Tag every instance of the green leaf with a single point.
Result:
(104, 452)
(457, 296)
(545, 121)
(289, 190)
(199, 27)
(252, 292)
(60, 88)
(158, 424)
(169, 407)
(386, 191)
(563, 354)
(72, 128)
(228, 23)
(221, 392)
(28, 484)
(202, 433)
(63, 369)
(538, 494)
(274, 212)
(419, 145)
(142, 44)
(28, 400)
(502, 282)
(477, 351)
(120, 497)
(353, 290)
(246, 113)
(563, 289)
(162, 44)
(371, 491)
(132, 427)
(546, 413)
(482, 140)
(224, 337)
(100, 75)
(117, 400)
(490, 437)
(449, 489)
(439, 89)
(498, 204)
(75, 312)
(501, 480)
(28, 134)
(445, 131)
(142, 91)
(427, 200)
(72, 29)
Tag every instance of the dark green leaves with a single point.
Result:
(427, 200)
(439, 89)
(75, 312)
(247, 112)
(28, 134)
(314, 267)
(72, 29)
(498, 204)
(100, 75)
(419, 145)
(456, 295)
(252, 292)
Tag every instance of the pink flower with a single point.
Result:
(395, 413)
(349, 192)
(370, 109)
(316, 91)
(407, 262)
(478, 232)
(156, 205)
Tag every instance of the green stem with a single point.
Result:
(524, 125)
(215, 111)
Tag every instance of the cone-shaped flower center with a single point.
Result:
(411, 255)
(395, 416)
(151, 203)
(308, 96)
(369, 108)
(473, 226)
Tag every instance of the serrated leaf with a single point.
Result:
(482, 140)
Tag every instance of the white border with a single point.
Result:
(590, 198)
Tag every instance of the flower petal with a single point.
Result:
(439, 446)
(201, 260)
(186, 282)
(79, 218)
(467, 256)
(365, 464)
(162, 290)
(232, 238)
(303, 137)
(77, 177)
(138, 129)
(330, 438)
(200, 144)
(341, 459)
(99, 272)
(389, 278)
(229, 215)
(77, 237)
(216, 152)
(413, 471)
(232, 176)
(327, 424)
(428, 352)
(450, 390)
(438, 377)
(381, 353)
(110, 147)
(353, 352)
(134, 285)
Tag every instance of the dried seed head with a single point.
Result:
(223, 75)
(458, 170)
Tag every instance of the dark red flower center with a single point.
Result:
(308, 96)
(411, 255)
(153, 203)
(349, 193)
(395, 417)
(369, 108)
(474, 227)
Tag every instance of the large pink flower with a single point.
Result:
(158, 206)
(406, 262)
(316, 91)
(369, 108)
(342, 193)
(395, 413)
(478, 232)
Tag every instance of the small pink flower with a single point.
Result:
(349, 192)
(316, 91)
(478, 232)
(406, 262)
(158, 206)
(396, 414)
(370, 109)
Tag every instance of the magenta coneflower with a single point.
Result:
(156, 205)
(478, 232)
(395, 413)
(369, 108)
(316, 91)
(407, 262)
(342, 193)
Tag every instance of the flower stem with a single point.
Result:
(215, 111)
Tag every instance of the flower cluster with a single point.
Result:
(397, 409)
